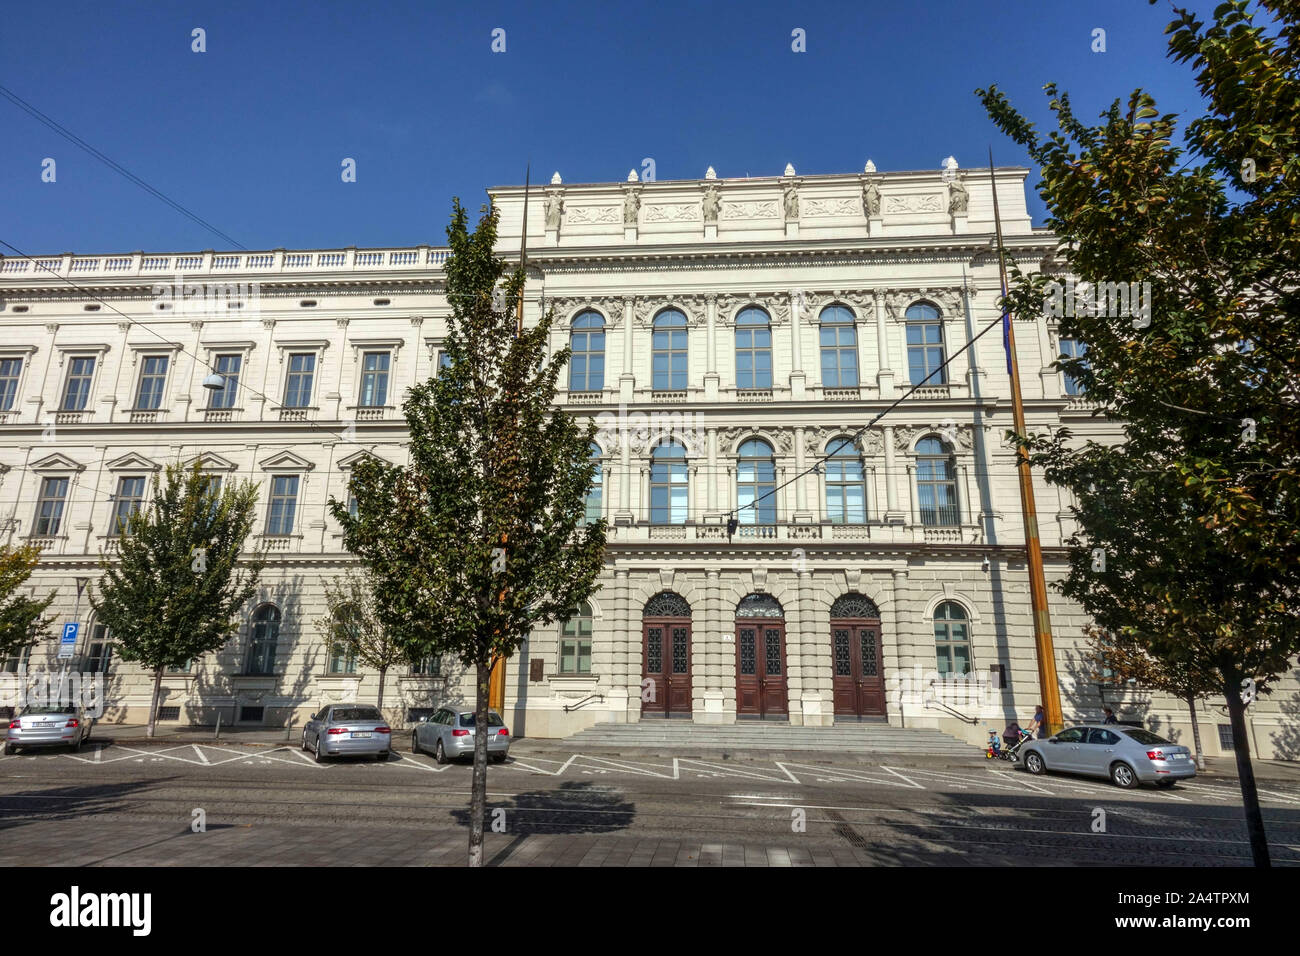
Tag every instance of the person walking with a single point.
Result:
(1036, 728)
(1110, 716)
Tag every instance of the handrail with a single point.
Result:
(587, 699)
(958, 714)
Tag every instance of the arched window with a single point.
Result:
(594, 510)
(936, 483)
(759, 605)
(854, 606)
(575, 642)
(266, 635)
(666, 604)
(952, 639)
(1072, 349)
(756, 484)
(839, 342)
(346, 628)
(753, 349)
(846, 491)
(587, 358)
(668, 498)
(668, 368)
(925, 345)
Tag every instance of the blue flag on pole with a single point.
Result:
(1006, 335)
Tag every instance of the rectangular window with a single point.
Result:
(19, 660)
(1070, 349)
(153, 376)
(228, 367)
(169, 713)
(76, 392)
(297, 388)
(49, 506)
(99, 652)
(444, 361)
(284, 502)
(839, 356)
(430, 666)
(173, 669)
(130, 498)
(374, 378)
(925, 353)
(575, 646)
(10, 369)
(1225, 738)
(343, 660)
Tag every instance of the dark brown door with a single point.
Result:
(859, 684)
(666, 672)
(760, 668)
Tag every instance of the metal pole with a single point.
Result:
(1047, 679)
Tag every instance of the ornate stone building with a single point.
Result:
(732, 338)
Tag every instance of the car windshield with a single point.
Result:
(357, 713)
(36, 709)
(493, 720)
(1146, 737)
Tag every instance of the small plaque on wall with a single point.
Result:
(536, 669)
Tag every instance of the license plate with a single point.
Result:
(363, 733)
(1182, 756)
(45, 725)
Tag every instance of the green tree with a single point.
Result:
(175, 589)
(22, 618)
(1195, 514)
(481, 538)
(355, 627)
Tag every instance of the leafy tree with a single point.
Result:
(175, 590)
(22, 618)
(481, 538)
(354, 626)
(1196, 512)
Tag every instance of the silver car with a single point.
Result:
(449, 734)
(48, 725)
(347, 730)
(1127, 755)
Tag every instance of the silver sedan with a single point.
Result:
(48, 725)
(449, 734)
(345, 730)
(1127, 755)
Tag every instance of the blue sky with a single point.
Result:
(251, 134)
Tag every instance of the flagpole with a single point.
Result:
(497, 681)
(1047, 680)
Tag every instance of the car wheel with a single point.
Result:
(304, 738)
(498, 758)
(1122, 775)
(439, 754)
(10, 749)
(1166, 784)
(76, 746)
(382, 756)
(317, 754)
(415, 743)
(1034, 763)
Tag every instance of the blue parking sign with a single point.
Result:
(68, 642)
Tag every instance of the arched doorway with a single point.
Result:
(760, 657)
(666, 656)
(856, 656)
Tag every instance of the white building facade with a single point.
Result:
(728, 335)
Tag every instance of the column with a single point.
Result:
(797, 377)
(891, 476)
(884, 375)
(627, 379)
(816, 698)
(711, 474)
(624, 516)
(914, 515)
(801, 486)
(898, 653)
(711, 348)
(627, 675)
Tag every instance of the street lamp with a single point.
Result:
(214, 382)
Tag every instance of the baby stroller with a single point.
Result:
(1013, 738)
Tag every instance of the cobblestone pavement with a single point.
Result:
(136, 805)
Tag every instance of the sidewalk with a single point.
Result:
(134, 735)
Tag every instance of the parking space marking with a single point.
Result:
(665, 773)
(844, 775)
(200, 754)
(713, 770)
(900, 776)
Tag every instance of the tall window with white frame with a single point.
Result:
(343, 658)
(587, 348)
(153, 378)
(839, 345)
(668, 362)
(952, 639)
(263, 641)
(228, 367)
(668, 488)
(99, 650)
(575, 642)
(298, 384)
(925, 345)
(283, 505)
(936, 483)
(756, 484)
(129, 500)
(1073, 349)
(49, 506)
(76, 390)
(594, 509)
(846, 490)
(10, 370)
(374, 378)
(753, 349)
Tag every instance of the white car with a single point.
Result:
(1127, 755)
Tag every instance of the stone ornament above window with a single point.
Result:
(817, 438)
(916, 202)
(673, 212)
(956, 436)
(948, 300)
(568, 308)
(587, 215)
(647, 307)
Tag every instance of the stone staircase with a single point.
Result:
(681, 735)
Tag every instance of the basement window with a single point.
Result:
(307, 304)
(91, 308)
(1225, 738)
(381, 302)
(20, 308)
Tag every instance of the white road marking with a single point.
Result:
(901, 777)
(200, 753)
(855, 776)
(630, 768)
(1013, 777)
(712, 769)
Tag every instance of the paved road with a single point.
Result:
(126, 805)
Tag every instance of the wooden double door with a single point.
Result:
(666, 667)
(859, 674)
(761, 688)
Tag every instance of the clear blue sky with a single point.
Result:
(251, 134)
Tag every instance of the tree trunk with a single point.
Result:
(1196, 734)
(380, 704)
(153, 702)
(1246, 776)
(478, 792)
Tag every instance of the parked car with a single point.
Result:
(449, 734)
(48, 725)
(346, 730)
(1127, 755)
